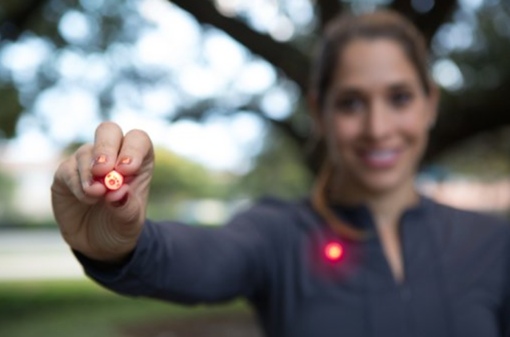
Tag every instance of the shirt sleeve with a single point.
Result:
(191, 264)
(505, 310)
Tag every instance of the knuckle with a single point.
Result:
(84, 151)
(65, 168)
(64, 175)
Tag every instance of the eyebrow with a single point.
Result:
(349, 91)
(400, 85)
(353, 90)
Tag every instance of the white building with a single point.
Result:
(32, 182)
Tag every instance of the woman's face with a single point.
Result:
(376, 116)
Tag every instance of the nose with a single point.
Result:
(378, 121)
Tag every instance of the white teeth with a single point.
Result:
(381, 155)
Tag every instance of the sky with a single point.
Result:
(71, 112)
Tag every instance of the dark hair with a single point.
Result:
(380, 24)
(338, 34)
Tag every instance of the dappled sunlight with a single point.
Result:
(68, 113)
(209, 85)
(77, 28)
(277, 103)
(91, 71)
(447, 74)
(280, 19)
(156, 71)
(256, 77)
(223, 55)
(23, 59)
(21, 150)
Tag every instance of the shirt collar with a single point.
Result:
(361, 217)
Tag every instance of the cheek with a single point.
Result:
(340, 134)
(414, 129)
(345, 130)
(416, 124)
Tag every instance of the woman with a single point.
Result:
(366, 255)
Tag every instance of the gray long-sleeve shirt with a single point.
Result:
(457, 271)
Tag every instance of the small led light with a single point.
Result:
(113, 180)
(333, 251)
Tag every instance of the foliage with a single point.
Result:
(80, 309)
(6, 188)
(180, 178)
(279, 171)
(490, 148)
(176, 179)
(284, 42)
(10, 111)
(475, 102)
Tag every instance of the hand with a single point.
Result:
(101, 224)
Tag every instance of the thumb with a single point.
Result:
(127, 213)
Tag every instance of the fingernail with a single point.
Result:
(125, 161)
(101, 159)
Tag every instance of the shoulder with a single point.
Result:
(462, 217)
(459, 225)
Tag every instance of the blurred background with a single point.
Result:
(220, 87)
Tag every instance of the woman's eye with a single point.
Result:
(400, 99)
(351, 104)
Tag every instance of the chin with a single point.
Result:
(383, 184)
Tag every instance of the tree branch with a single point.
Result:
(287, 128)
(327, 10)
(16, 21)
(201, 110)
(430, 21)
(290, 60)
(467, 115)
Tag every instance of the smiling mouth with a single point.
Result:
(380, 159)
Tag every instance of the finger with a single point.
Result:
(84, 159)
(128, 211)
(67, 183)
(136, 149)
(107, 143)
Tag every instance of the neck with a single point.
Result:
(385, 206)
(388, 208)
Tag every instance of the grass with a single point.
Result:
(81, 308)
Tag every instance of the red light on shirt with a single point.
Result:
(333, 251)
(113, 180)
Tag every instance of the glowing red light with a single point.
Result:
(333, 251)
(113, 180)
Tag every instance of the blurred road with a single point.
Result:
(36, 254)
